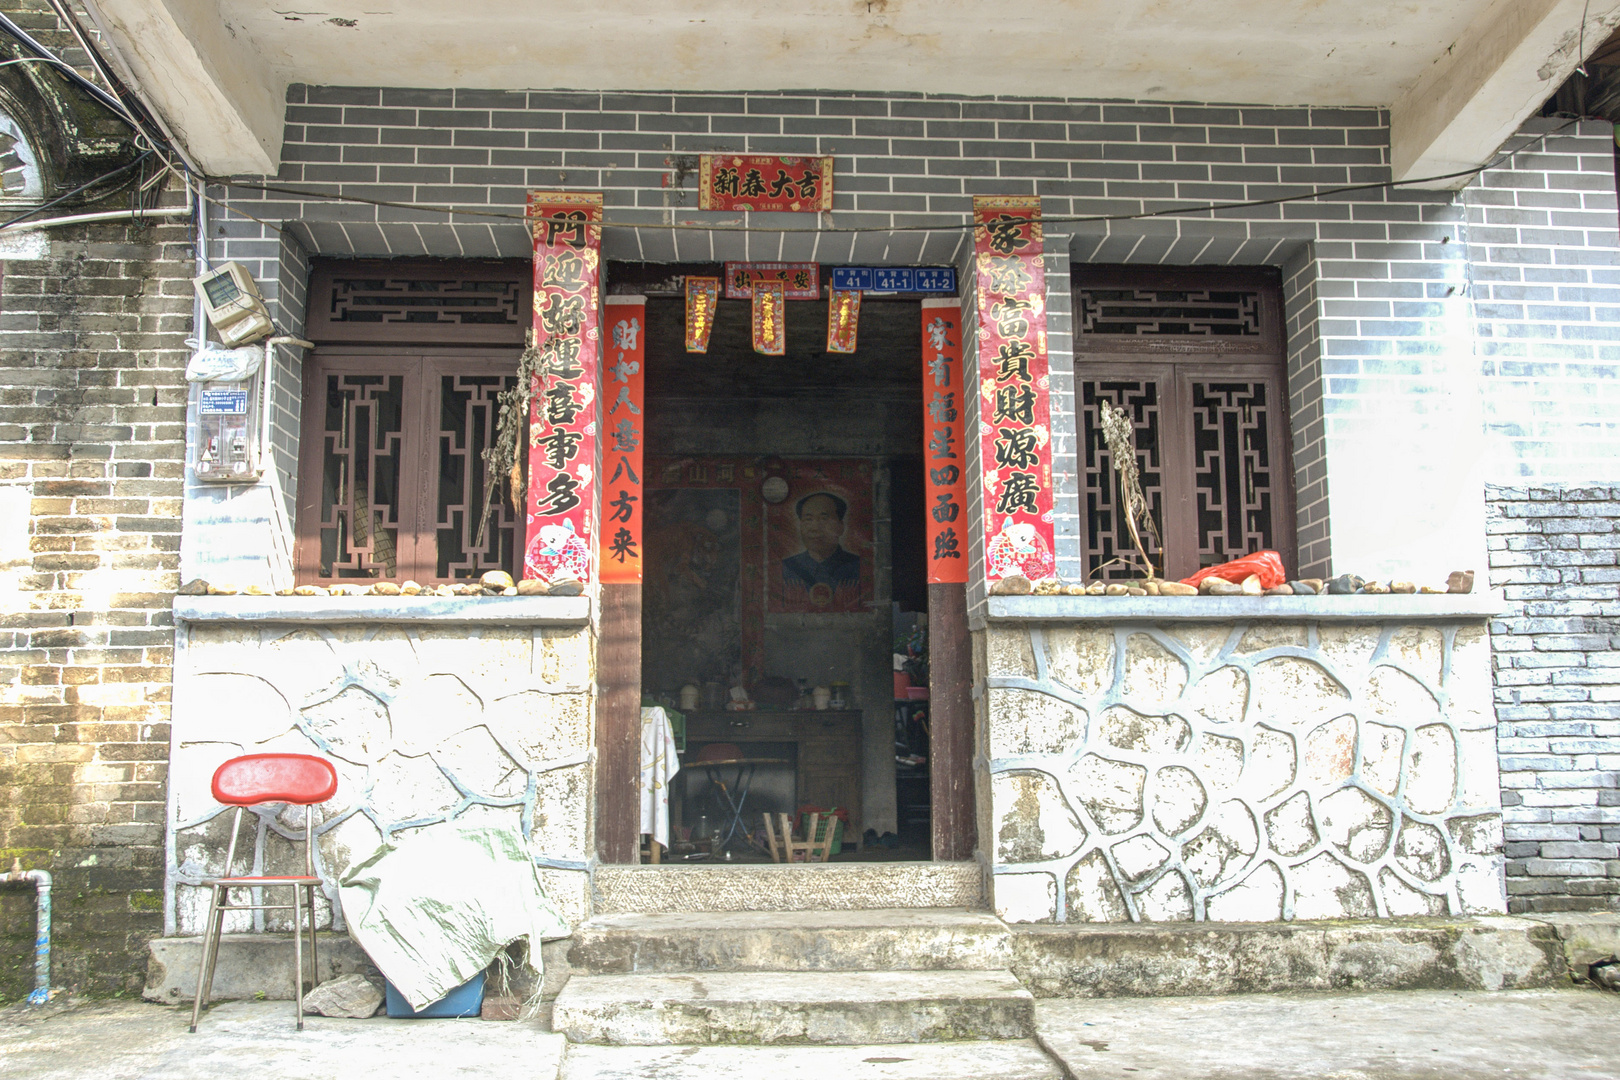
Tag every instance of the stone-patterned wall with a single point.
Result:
(425, 724)
(1243, 771)
(1555, 554)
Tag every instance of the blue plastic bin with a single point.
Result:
(465, 1000)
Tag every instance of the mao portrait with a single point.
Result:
(821, 546)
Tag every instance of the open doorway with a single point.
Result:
(784, 569)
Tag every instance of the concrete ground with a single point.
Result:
(1418, 1035)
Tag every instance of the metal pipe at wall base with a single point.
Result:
(41, 880)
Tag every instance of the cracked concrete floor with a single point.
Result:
(1417, 1035)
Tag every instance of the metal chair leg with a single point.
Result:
(204, 968)
(314, 950)
(218, 934)
(298, 956)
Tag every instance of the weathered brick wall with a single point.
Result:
(1555, 553)
(92, 404)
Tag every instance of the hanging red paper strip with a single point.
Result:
(799, 281)
(1015, 426)
(843, 320)
(702, 297)
(623, 376)
(801, 185)
(564, 453)
(770, 308)
(943, 421)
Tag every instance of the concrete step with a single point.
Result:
(1487, 952)
(768, 1008)
(1001, 1060)
(888, 939)
(800, 887)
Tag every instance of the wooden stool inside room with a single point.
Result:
(816, 847)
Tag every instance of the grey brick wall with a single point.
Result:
(1546, 281)
(1384, 374)
(1555, 553)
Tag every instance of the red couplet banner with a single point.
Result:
(943, 421)
(623, 430)
(565, 455)
(1015, 423)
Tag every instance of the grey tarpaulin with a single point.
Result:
(433, 909)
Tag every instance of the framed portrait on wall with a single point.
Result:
(818, 539)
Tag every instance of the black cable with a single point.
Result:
(69, 194)
(1319, 193)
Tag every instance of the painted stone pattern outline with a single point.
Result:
(1247, 771)
(425, 725)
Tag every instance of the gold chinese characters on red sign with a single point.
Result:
(795, 185)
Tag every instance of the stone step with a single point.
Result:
(998, 1060)
(887, 939)
(800, 887)
(1486, 952)
(805, 1008)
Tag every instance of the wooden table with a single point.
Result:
(829, 748)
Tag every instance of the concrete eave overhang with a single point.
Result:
(1458, 78)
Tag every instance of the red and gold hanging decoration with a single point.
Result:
(564, 454)
(843, 320)
(623, 377)
(770, 309)
(943, 421)
(799, 281)
(1015, 427)
(795, 185)
(702, 298)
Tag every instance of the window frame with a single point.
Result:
(420, 435)
(1176, 361)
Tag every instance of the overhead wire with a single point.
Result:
(124, 168)
(1174, 211)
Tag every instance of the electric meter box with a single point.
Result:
(224, 443)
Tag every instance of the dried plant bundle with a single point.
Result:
(502, 457)
(1120, 436)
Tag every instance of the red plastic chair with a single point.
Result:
(252, 780)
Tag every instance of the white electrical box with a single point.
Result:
(231, 298)
(226, 415)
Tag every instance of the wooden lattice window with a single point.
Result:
(1196, 360)
(420, 302)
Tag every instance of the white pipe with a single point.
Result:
(106, 215)
(41, 880)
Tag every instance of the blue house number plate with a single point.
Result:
(924, 279)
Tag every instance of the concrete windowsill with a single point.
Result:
(469, 610)
(1468, 607)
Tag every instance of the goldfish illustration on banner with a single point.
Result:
(843, 320)
(702, 297)
(770, 313)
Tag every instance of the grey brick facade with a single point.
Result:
(1555, 553)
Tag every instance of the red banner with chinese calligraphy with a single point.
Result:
(843, 320)
(623, 376)
(564, 453)
(769, 311)
(795, 185)
(1015, 425)
(702, 298)
(943, 422)
(799, 281)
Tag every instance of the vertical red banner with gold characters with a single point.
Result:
(624, 371)
(565, 454)
(943, 423)
(769, 318)
(1014, 390)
